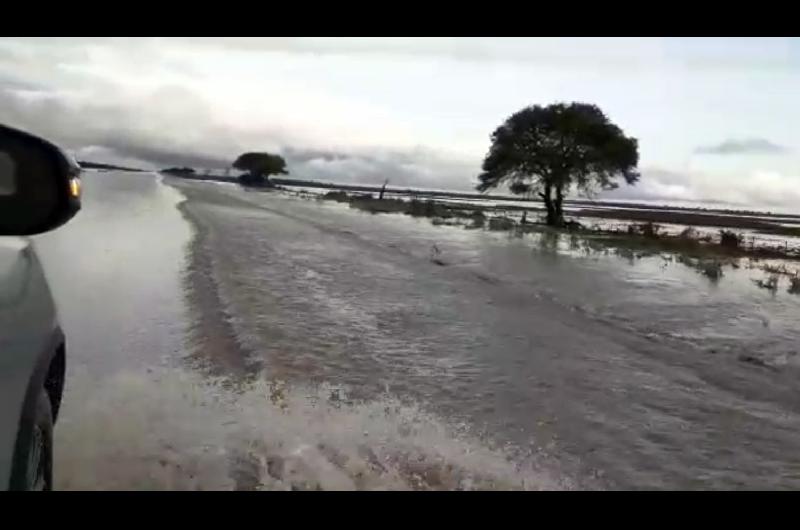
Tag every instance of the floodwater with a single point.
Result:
(380, 351)
(141, 411)
(749, 236)
(115, 272)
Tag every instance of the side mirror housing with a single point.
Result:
(40, 184)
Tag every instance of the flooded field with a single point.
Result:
(775, 231)
(271, 341)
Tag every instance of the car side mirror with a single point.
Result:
(40, 184)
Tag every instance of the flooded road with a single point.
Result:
(115, 271)
(142, 411)
(390, 353)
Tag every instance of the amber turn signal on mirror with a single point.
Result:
(75, 187)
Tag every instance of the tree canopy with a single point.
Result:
(260, 166)
(548, 149)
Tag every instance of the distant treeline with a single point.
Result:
(179, 171)
(96, 165)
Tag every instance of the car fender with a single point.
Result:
(29, 338)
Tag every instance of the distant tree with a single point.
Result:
(259, 167)
(178, 171)
(548, 149)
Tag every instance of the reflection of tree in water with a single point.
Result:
(626, 254)
(595, 247)
(549, 241)
(574, 242)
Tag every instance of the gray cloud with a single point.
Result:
(142, 134)
(741, 147)
(300, 155)
(414, 168)
(185, 135)
(45, 89)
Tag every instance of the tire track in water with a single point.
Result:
(213, 339)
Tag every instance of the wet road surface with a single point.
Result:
(591, 372)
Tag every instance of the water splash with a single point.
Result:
(159, 429)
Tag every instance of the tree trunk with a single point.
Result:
(554, 206)
(558, 206)
(259, 178)
(548, 204)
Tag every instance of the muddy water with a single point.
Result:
(383, 352)
(638, 373)
(142, 410)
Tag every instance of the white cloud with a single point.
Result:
(768, 188)
(740, 147)
(759, 188)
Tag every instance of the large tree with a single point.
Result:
(259, 167)
(547, 150)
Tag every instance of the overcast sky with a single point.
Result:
(716, 119)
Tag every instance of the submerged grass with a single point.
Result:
(770, 284)
(704, 253)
